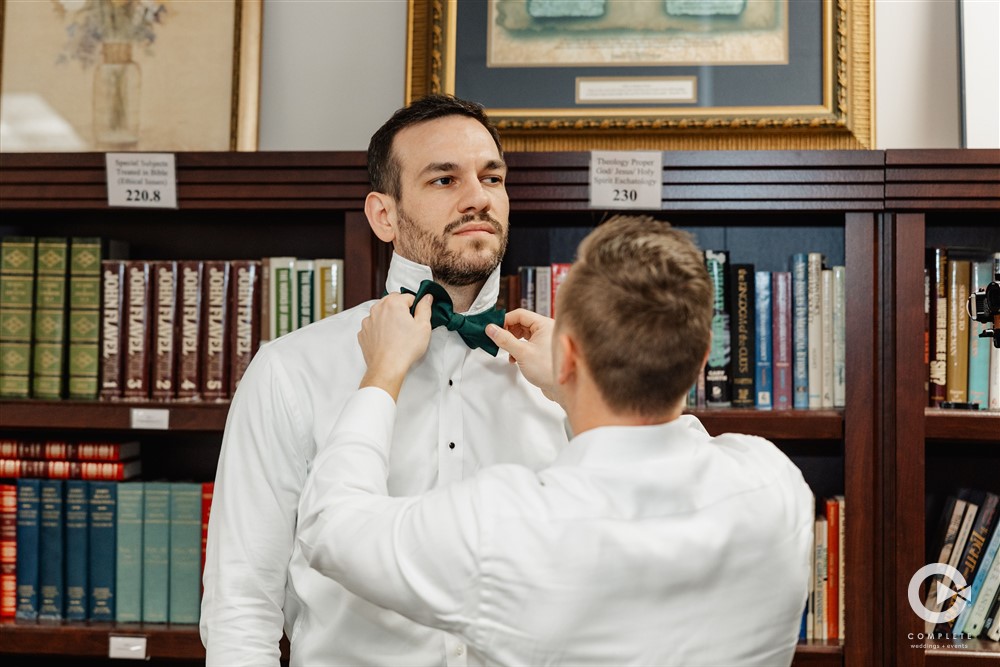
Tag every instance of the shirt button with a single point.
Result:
(451, 445)
(460, 649)
(450, 383)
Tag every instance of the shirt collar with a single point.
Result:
(610, 446)
(409, 274)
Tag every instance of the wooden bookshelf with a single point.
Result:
(981, 425)
(111, 415)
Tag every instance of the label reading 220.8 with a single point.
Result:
(144, 180)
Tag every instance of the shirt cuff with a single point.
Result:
(371, 413)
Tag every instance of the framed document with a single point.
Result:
(619, 74)
(129, 75)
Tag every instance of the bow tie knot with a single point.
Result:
(472, 328)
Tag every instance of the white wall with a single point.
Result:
(333, 71)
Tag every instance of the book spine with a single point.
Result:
(559, 272)
(974, 549)
(995, 354)
(245, 318)
(833, 568)
(101, 558)
(305, 271)
(957, 385)
(742, 344)
(815, 329)
(107, 471)
(17, 303)
(839, 337)
(979, 347)
(207, 491)
(128, 571)
(29, 493)
(938, 258)
(49, 333)
(138, 298)
(984, 589)
(282, 295)
(762, 342)
(718, 370)
(164, 367)
(826, 316)
(51, 552)
(781, 316)
(188, 334)
(77, 529)
(821, 571)
(842, 567)
(102, 451)
(328, 294)
(185, 552)
(215, 345)
(266, 303)
(84, 317)
(800, 330)
(526, 278)
(112, 310)
(8, 550)
(992, 624)
(543, 290)
(156, 552)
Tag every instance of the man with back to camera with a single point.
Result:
(439, 196)
(647, 541)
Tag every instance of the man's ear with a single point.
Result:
(380, 211)
(569, 357)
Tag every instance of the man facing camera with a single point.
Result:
(647, 541)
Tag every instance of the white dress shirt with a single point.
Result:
(648, 545)
(459, 410)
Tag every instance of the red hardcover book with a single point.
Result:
(207, 490)
(112, 302)
(215, 340)
(163, 384)
(559, 272)
(138, 292)
(8, 550)
(89, 470)
(189, 331)
(63, 451)
(832, 567)
(781, 339)
(245, 318)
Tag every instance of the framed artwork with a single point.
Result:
(620, 74)
(129, 75)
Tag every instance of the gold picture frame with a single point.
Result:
(130, 75)
(839, 77)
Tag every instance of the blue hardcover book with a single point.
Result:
(77, 539)
(982, 573)
(51, 520)
(764, 370)
(128, 590)
(29, 494)
(156, 553)
(185, 552)
(979, 348)
(800, 330)
(103, 514)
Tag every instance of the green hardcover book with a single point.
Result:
(84, 316)
(49, 335)
(128, 575)
(156, 552)
(185, 552)
(17, 301)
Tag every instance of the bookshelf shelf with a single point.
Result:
(819, 653)
(775, 425)
(976, 652)
(180, 642)
(118, 415)
(962, 424)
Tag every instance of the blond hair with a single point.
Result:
(639, 300)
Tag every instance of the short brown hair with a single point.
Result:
(639, 300)
(383, 167)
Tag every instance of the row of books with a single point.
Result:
(533, 288)
(968, 539)
(79, 322)
(963, 368)
(103, 551)
(823, 617)
(98, 461)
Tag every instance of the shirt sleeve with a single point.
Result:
(415, 555)
(261, 470)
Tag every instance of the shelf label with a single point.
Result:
(150, 419)
(127, 647)
(626, 179)
(141, 180)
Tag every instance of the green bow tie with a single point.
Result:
(472, 328)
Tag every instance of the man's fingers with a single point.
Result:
(505, 340)
(422, 313)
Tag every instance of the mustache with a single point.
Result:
(466, 219)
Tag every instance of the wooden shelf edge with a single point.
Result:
(819, 653)
(962, 424)
(111, 415)
(975, 652)
(774, 424)
(85, 639)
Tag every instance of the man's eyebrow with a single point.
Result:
(444, 167)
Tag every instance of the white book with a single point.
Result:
(282, 303)
(328, 288)
(822, 603)
(839, 337)
(826, 319)
(814, 328)
(994, 378)
(994, 631)
(934, 604)
(543, 290)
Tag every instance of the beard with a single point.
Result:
(448, 266)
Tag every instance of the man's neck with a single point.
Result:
(462, 297)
